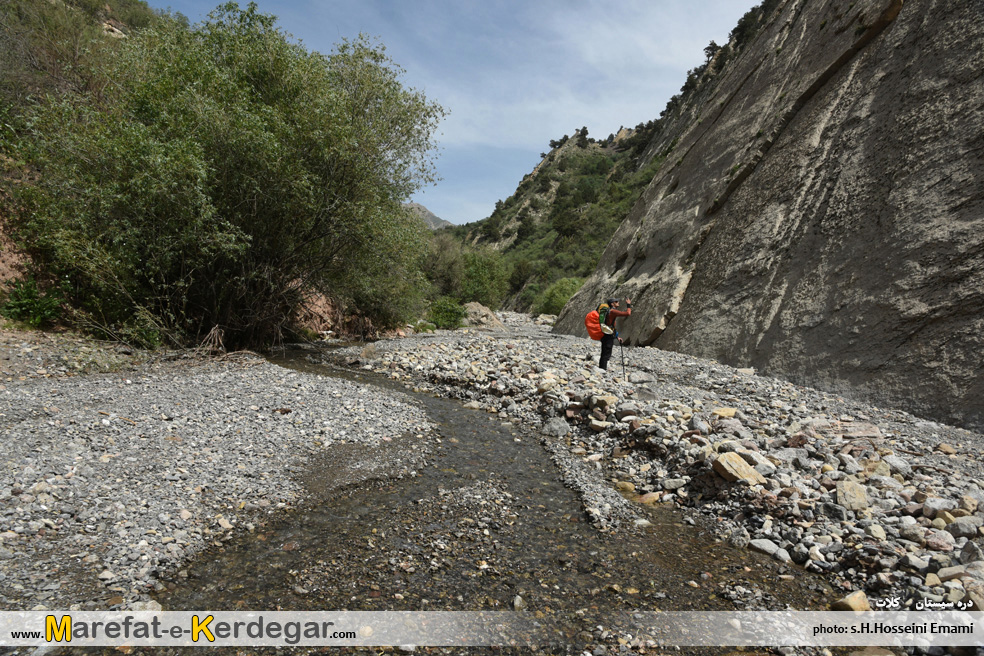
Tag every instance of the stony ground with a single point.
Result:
(883, 503)
(110, 481)
(32, 354)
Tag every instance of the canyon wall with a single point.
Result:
(820, 212)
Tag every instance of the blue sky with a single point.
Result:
(515, 74)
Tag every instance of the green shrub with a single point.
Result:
(556, 296)
(26, 302)
(444, 264)
(521, 272)
(447, 313)
(224, 173)
(486, 278)
(527, 298)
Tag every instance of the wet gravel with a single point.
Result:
(484, 522)
(882, 503)
(153, 485)
(110, 482)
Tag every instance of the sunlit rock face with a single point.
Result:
(820, 211)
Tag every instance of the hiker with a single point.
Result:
(608, 339)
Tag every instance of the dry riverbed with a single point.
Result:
(884, 504)
(112, 483)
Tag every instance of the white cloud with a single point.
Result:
(516, 74)
(570, 65)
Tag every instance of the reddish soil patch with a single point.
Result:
(12, 260)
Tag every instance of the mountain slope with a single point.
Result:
(431, 220)
(821, 215)
(555, 226)
(552, 231)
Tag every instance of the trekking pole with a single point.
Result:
(622, 351)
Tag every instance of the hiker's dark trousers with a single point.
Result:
(607, 342)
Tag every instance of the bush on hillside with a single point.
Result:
(47, 47)
(553, 300)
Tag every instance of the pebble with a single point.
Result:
(839, 487)
(112, 482)
(105, 469)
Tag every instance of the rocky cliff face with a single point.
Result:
(431, 220)
(821, 213)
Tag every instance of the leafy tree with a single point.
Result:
(527, 228)
(672, 105)
(521, 272)
(529, 295)
(444, 264)
(567, 222)
(492, 227)
(225, 173)
(486, 278)
(750, 24)
(582, 138)
(711, 50)
(693, 79)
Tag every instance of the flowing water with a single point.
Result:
(483, 523)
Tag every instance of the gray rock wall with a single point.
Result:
(821, 214)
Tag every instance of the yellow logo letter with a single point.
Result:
(58, 631)
(201, 627)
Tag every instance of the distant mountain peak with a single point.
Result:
(431, 220)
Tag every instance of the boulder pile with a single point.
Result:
(879, 500)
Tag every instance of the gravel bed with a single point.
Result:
(885, 504)
(109, 482)
(37, 354)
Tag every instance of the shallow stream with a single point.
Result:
(483, 522)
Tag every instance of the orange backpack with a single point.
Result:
(592, 321)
